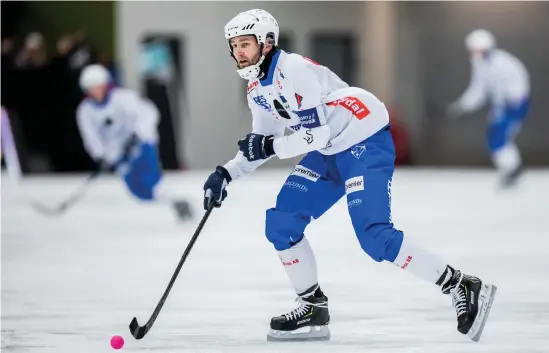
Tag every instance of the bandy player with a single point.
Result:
(344, 132)
(119, 129)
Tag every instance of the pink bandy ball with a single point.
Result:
(117, 342)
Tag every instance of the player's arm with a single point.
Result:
(89, 134)
(315, 133)
(262, 125)
(240, 165)
(475, 95)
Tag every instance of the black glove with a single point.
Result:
(214, 188)
(256, 146)
(130, 147)
(102, 166)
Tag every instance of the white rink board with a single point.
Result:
(70, 283)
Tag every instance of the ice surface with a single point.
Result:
(70, 283)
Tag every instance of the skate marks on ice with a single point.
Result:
(71, 283)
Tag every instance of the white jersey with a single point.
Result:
(106, 127)
(320, 110)
(501, 78)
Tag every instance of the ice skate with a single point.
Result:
(183, 210)
(308, 321)
(510, 179)
(472, 300)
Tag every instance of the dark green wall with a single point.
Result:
(54, 18)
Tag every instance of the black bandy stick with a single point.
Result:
(140, 331)
(63, 206)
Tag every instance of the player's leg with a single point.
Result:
(144, 180)
(368, 180)
(501, 141)
(307, 193)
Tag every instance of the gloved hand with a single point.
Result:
(130, 147)
(256, 146)
(214, 188)
(102, 166)
(454, 111)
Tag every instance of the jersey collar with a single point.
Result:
(268, 79)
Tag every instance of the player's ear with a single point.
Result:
(267, 48)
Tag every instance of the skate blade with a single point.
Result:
(308, 333)
(487, 295)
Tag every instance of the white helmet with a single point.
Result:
(255, 22)
(480, 39)
(94, 75)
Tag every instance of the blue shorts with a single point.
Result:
(363, 173)
(505, 126)
(144, 172)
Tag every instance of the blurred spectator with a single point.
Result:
(33, 53)
(40, 90)
(8, 61)
(81, 53)
(8, 53)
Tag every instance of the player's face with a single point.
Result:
(98, 92)
(477, 54)
(245, 50)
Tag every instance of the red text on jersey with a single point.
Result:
(352, 104)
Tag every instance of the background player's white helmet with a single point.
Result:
(255, 22)
(94, 75)
(481, 40)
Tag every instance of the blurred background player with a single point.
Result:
(344, 133)
(119, 131)
(501, 77)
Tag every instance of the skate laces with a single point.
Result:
(299, 311)
(459, 298)
(303, 307)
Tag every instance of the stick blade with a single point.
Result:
(47, 211)
(137, 331)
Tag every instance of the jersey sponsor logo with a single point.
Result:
(294, 185)
(352, 104)
(354, 184)
(280, 109)
(309, 118)
(354, 203)
(358, 150)
(299, 99)
(310, 137)
(253, 85)
(306, 173)
(262, 102)
(296, 127)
